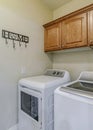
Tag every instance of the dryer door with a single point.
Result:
(30, 107)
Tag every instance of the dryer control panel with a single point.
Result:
(55, 73)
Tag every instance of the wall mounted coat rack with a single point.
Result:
(15, 37)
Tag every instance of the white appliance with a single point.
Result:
(36, 100)
(73, 104)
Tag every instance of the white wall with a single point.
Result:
(70, 7)
(32, 59)
(33, 10)
(74, 62)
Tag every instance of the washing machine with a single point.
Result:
(36, 99)
(73, 104)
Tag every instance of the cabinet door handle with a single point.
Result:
(63, 45)
(91, 42)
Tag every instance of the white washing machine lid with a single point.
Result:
(83, 86)
(41, 82)
(79, 88)
(45, 81)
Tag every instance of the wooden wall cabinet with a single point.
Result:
(90, 28)
(52, 37)
(71, 31)
(74, 31)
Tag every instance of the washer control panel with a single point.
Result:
(55, 73)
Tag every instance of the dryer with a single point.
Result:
(73, 104)
(36, 99)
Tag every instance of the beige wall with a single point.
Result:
(24, 17)
(74, 62)
(33, 10)
(70, 7)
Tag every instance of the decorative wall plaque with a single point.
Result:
(15, 37)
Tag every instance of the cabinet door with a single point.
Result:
(52, 37)
(90, 27)
(74, 31)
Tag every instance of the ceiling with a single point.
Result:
(54, 4)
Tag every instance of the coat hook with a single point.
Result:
(25, 45)
(6, 41)
(15, 37)
(13, 44)
(19, 44)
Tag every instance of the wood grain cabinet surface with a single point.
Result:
(70, 31)
(74, 31)
(52, 37)
(90, 28)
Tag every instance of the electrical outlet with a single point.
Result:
(23, 70)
